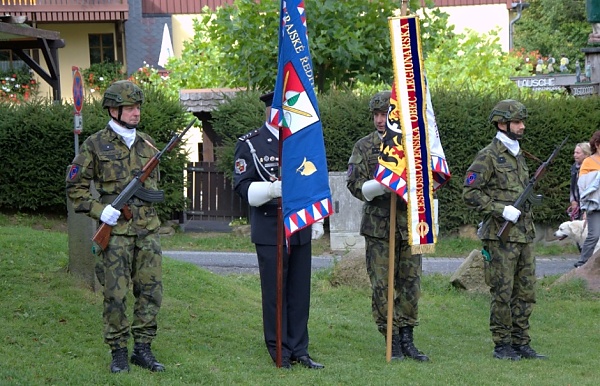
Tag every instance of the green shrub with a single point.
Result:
(37, 146)
(464, 129)
(36, 143)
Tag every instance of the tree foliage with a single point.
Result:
(553, 27)
(236, 46)
(473, 61)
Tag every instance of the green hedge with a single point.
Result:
(37, 146)
(464, 129)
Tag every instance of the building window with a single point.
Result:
(102, 48)
(10, 61)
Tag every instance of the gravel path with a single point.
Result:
(237, 262)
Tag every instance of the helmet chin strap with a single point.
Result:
(510, 134)
(120, 122)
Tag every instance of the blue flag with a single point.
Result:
(306, 197)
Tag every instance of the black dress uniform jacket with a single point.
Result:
(257, 159)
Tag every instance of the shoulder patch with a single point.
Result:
(470, 178)
(73, 172)
(249, 135)
(240, 166)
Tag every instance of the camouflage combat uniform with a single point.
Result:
(375, 228)
(494, 180)
(133, 255)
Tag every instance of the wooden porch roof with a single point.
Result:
(61, 11)
(19, 37)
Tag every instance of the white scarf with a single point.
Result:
(128, 135)
(511, 144)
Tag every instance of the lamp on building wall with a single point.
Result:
(517, 7)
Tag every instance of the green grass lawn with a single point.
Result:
(210, 329)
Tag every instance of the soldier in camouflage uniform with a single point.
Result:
(375, 228)
(494, 181)
(109, 159)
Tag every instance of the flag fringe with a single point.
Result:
(422, 248)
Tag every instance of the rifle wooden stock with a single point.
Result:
(527, 194)
(102, 235)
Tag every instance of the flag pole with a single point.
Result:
(392, 253)
(280, 245)
(390, 294)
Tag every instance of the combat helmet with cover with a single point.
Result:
(508, 110)
(380, 101)
(122, 93)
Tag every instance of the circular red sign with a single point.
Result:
(77, 90)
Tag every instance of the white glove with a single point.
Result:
(275, 189)
(510, 213)
(260, 192)
(317, 230)
(110, 215)
(372, 189)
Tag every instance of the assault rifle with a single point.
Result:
(135, 188)
(528, 195)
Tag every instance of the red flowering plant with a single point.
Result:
(99, 76)
(148, 75)
(17, 85)
(528, 59)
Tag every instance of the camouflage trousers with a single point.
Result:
(407, 283)
(510, 273)
(131, 261)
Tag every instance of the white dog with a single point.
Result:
(574, 230)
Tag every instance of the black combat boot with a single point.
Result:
(526, 352)
(505, 351)
(142, 356)
(396, 348)
(408, 346)
(119, 361)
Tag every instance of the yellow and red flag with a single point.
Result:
(412, 162)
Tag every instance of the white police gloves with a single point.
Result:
(260, 192)
(372, 189)
(275, 189)
(110, 215)
(510, 213)
(317, 230)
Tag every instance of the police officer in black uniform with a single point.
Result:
(256, 173)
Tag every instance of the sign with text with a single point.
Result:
(563, 83)
(540, 84)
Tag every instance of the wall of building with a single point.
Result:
(481, 18)
(75, 53)
(183, 30)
